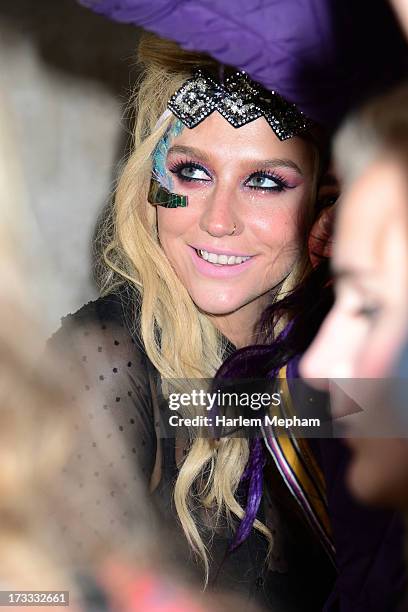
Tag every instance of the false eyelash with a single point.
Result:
(281, 182)
(178, 166)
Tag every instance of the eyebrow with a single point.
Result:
(189, 151)
(270, 163)
(279, 163)
(350, 274)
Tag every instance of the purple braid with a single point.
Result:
(254, 474)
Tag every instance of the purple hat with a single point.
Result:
(323, 55)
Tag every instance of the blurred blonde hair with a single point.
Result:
(188, 345)
(29, 425)
(379, 127)
(43, 514)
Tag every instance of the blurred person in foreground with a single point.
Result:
(365, 334)
(366, 330)
(68, 522)
(401, 10)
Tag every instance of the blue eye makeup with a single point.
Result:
(159, 155)
(191, 171)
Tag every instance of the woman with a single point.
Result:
(371, 298)
(210, 225)
(363, 339)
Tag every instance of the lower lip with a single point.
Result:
(219, 271)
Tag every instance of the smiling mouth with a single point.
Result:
(221, 260)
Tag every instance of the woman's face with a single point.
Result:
(363, 333)
(239, 236)
(367, 327)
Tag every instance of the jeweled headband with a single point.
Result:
(239, 100)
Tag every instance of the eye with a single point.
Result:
(190, 171)
(194, 173)
(369, 311)
(265, 182)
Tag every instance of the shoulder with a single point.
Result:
(113, 317)
(103, 337)
(115, 308)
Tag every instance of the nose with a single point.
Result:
(219, 218)
(328, 357)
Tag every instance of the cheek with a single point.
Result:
(173, 223)
(382, 348)
(275, 226)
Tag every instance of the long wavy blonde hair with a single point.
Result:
(188, 345)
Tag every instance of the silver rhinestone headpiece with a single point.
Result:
(239, 100)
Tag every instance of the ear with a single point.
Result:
(321, 235)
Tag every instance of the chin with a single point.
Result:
(217, 305)
(367, 485)
(216, 309)
(358, 486)
(378, 471)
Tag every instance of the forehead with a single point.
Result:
(372, 211)
(255, 140)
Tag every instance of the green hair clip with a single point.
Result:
(160, 196)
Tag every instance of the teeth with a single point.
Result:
(222, 260)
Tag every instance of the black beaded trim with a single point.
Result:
(239, 100)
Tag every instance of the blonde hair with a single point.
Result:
(188, 345)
